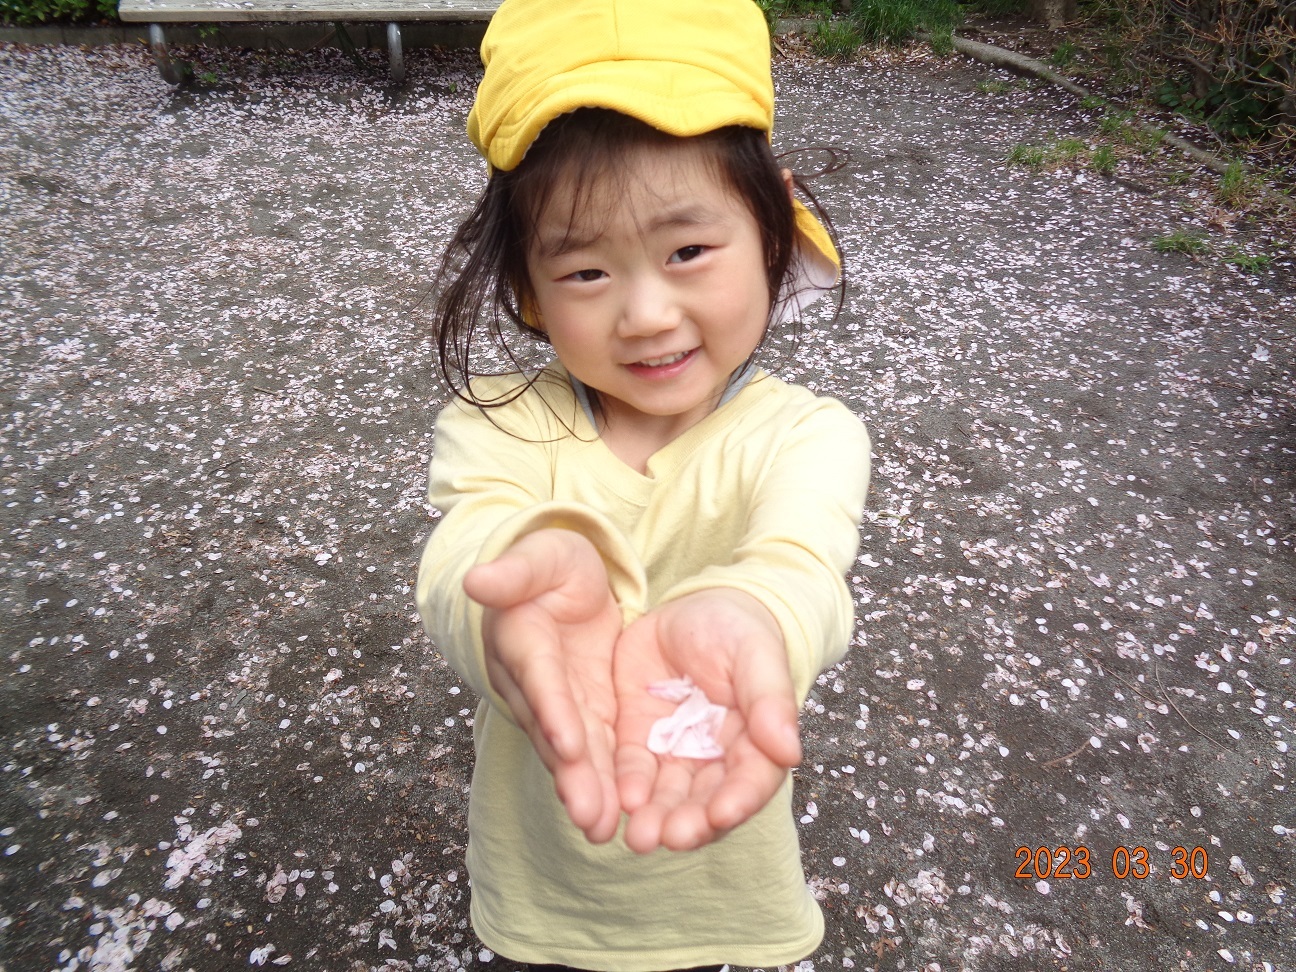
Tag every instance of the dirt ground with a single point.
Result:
(226, 740)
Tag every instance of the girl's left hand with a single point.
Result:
(732, 648)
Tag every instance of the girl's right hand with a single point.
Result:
(549, 629)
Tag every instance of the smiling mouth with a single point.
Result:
(660, 362)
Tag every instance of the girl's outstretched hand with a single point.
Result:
(549, 628)
(729, 644)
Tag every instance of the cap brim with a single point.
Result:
(816, 264)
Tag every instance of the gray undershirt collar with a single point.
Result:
(737, 381)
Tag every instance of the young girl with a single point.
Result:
(649, 518)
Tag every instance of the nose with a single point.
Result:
(650, 307)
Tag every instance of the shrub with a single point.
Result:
(1000, 8)
(835, 38)
(774, 9)
(27, 12)
(1232, 61)
(896, 21)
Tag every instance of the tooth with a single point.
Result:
(658, 362)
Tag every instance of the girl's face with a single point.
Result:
(652, 290)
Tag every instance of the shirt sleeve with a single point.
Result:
(491, 478)
(801, 537)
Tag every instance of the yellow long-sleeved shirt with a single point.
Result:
(764, 495)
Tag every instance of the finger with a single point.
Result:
(501, 680)
(526, 721)
(670, 802)
(541, 679)
(585, 786)
(521, 713)
(687, 828)
(581, 792)
(750, 782)
(601, 741)
(765, 697)
(773, 728)
(636, 773)
(633, 669)
(644, 830)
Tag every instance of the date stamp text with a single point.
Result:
(1060, 863)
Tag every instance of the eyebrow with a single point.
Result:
(559, 244)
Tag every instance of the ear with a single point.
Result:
(787, 181)
(531, 311)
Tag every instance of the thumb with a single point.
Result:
(537, 563)
(547, 560)
(504, 582)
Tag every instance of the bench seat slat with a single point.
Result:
(293, 11)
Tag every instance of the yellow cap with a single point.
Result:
(684, 67)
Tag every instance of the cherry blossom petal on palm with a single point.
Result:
(691, 731)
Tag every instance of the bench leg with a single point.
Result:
(394, 53)
(173, 71)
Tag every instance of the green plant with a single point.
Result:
(836, 39)
(875, 22)
(1092, 103)
(1227, 62)
(209, 77)
(1068, 150)
(1149, 139)
(774, 9)
(896, 21)
(1114, 54)
(1031, 156)
(1063, 54)
(1117, 124)
(1000, 8)
(804, 8)
(1143, 139)
(771, 14)
(1113, 123)
(1248, 262)
(27, 12)
(1181, 241)
(1236, 186)
(993, 87)
(1103, 159)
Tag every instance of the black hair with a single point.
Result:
(483, 287)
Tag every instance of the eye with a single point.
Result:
(586, 276)
(686, 253)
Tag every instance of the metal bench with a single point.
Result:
(155, 13)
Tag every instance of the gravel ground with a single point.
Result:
(225, 738)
